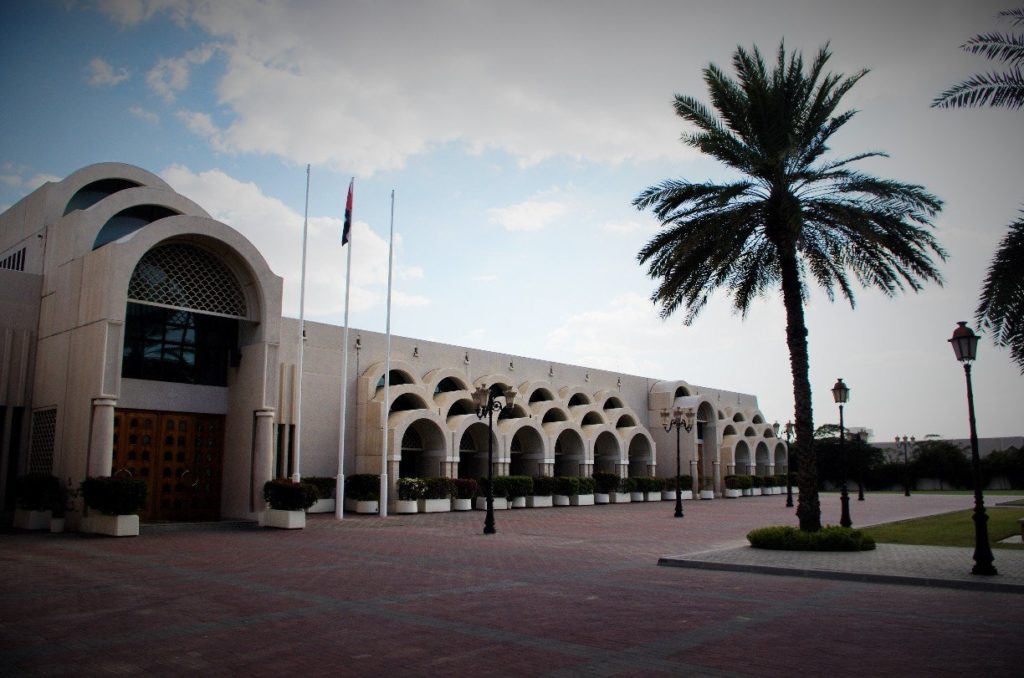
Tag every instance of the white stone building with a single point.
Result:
(138, 335)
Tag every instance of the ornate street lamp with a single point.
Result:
(841, 394)
(678, 418)
(789, 461)
(907, 442)
(487, 403)
(965, 346)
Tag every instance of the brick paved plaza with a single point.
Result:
(567, 591)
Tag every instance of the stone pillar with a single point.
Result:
(547, 469)
(622, 469)
(262, 455)
(101, 441)
(652, 469)
(694, 480)
(718, 477)
(586, 470)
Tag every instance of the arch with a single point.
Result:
(472, 452)
(626, 421)
(460, 406)
(579, 399)
(762, 458)
(681, 392)
(570, 453)
(517, 411)
(184, 276)
(423, 449)
(729, 430)
(64, 191)
(768, 432)
(374, 373)
(721, 415)
(396, 377)
(592, 418)
(781, 458)
(750, 432)
(407, 401)
(526, 451)
(129, 220)
(574, 396)
(95, 191)
(607, 453)
(742, 456)
(553, 414)
(541, 395)
(612, 403)
(640, 454)
(758, 419)
(738, 417)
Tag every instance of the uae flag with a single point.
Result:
(347, 230)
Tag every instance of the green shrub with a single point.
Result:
(780, 479)
(363, 487)
(37, 491)
(628, 485)
(746, 482)
(755, 481)
(465, 488)
(438, 488)
(685, 481)
(567, 485)
(286, 495)
(732, 482)
(543, 486)
(323, 484)
(114, 496)
(504, 486)
(606, 483)
(411, 489)
(586, 485)
(648, 484)
(829, 538)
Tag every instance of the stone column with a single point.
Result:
(718, 477)
(262, 455)
(101, 441)
(586, 470)
(622, 469)
(547, 469)
(694, 480)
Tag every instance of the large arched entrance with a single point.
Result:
(641, 456)
(526, 452)
(473, 451)
(742, 458)
(607, 454)
(423, 450)
(569, 453)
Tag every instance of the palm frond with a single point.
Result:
(997, 47)
(1015, 15)
(993, 89)
(1001, 306)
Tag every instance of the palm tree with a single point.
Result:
(790, 217)
(1001, 307)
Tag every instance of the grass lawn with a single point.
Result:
(950, 529)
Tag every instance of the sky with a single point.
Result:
(515, 136)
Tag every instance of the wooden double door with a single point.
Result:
(178, 454)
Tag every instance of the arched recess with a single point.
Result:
(553, 418)
(729, 430)
(762, 458)
(626, 421)
(707, 440)
(768, 432)
(758, 419)
(445, 380)
(738, 417)
(612, 402)
(526, 451)
(423, 450)
(781, 461)
(607, 453)
(742, 454)
(536, 393)
(570, 453)
(641, 455)
(591, 417)
(95, 191)
(473, 450)
(750, 432)
(129, 220)
(405, 401)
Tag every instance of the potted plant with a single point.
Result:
(63, 503)
(288, 501)
(410, 491)
(325, 499)
(621, 493)
(707, 489)
(745, 483)
(605, 484)
(584, 492)
(651, 488)
(35, 494)
(465, 490)
(543, 488)
(565, 488)
(437, 495)
(500, 495)
(780, 482)
(755, 485)
(519, 488)
(636, 488)
(114, 505)
(732, 487)
(766, 485)
(362, 493)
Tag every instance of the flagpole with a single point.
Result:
(296, 475)
(339, 491)
(387, 374)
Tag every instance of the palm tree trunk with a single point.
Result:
(808, 509)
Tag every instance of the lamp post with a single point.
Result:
(907, 442)
(789, 460)
(965, 347)
(841, 394)
(678, 418)
(487, 403)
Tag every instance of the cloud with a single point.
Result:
(171, 75)
(627, 227)
(142, 114)
(276, 231)
(102, 74)
(531, 215)
(202, 125)
(26, 183)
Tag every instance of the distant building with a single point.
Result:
(140, 336)
(985, 445)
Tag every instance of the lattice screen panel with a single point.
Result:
(183, 276)
(44, 432)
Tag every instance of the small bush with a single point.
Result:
(37, 491)
(520, 486)
(543, 486)
(438, 488)
(755, 481)
(363, 487)
(685, 481)
(746, 482)
(586, 485)
(114, 496)
(323, 484)
(286, 495)
(732, 482)
(465, 488)
(411, 489)
(606, 483)
(829, 538)
(567, 485)
(628, 485)
(648, 484)
(780, 480)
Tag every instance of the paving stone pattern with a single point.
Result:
(572, 591)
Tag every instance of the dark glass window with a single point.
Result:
(168, 344)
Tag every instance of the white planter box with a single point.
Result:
(636, 496)
(749, 492)
(115, 526)
(462, 504)
(668, 495)
(582, 500)
(619, 497)
(31, 520)
(518, 502)
(538, 501)
(406, 506)
(766, 490)
(733, 494)
(370, 506)
(707, 494)
(561, 500)
(601, 498)
(57, 525)
(435, 505)
(687, 494)
(654, 496)
(285, 520)
(500, 503)
(322, 506)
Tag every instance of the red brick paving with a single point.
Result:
(564, 591)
